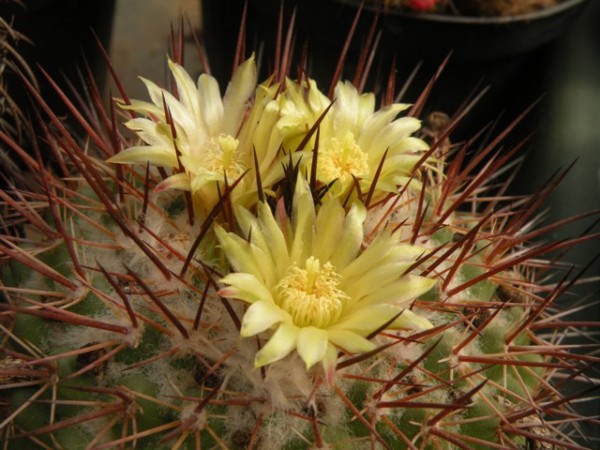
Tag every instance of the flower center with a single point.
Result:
(221, 156)
(311, 295)
(342, 159)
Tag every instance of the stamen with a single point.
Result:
(311, 295)
(221, 157)
(342, 159)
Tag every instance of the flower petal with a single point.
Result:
(317, 101)
(241, 87)
(346, 108)
(279, 346)
(329, 224)
(245, 286)
(261, 316)
(350, 342)
(370, 258)
(312, 345)
(238, 252)
(391, 134)
(349, 242)
(158, 156)
(365, 320)
(409, 319)
(211, 105)
(303, 218)
(263, 245)
(373, 125)
(329, 362)
(142, 107)
(409, 143)
(201, 177)
(274, 238)
(160, 97)
(186, 90)
(399, 292)
(383, 250)
(177, 181)
(150, 132)
(376, 278)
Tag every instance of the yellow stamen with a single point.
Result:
(311, 295)
(342, 159)
(221, 156)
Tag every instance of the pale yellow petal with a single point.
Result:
(330, 220)
(155, 92)
(312, 345)
(186, 90)
(178, 181)
(245, 219)
(366, 103)
(146, 108)
(245, 286)
(329, 362)
(400, 292)
(348, 244)
(266, 138)
(407, 252)
(261, 316)
(389, 135)
(238, 252)
(317, 101)
(401, 165)
(376, 278)
(241, 87)
(345, 108)
(202, 177)
(384, 269)
(409, 144)
(374, 124)
(274, 237)
(160, 97)
(412, 183)
(383, 250)
(158, 156)
(264, 245)
(280, 345)
(364, 320)
(370, 258)
(268, 265)
(350, 342)
(410, 320)
(303, 217)
(211, 104)
(150, 132)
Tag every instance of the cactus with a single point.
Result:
(280, 268)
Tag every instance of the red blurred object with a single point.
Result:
(421, 5)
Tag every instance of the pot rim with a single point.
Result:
(493, 20)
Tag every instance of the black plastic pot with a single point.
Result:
(508, 54)
(430, 36)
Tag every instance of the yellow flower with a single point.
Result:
(206, 131)
(308, 278)
(353, 136)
